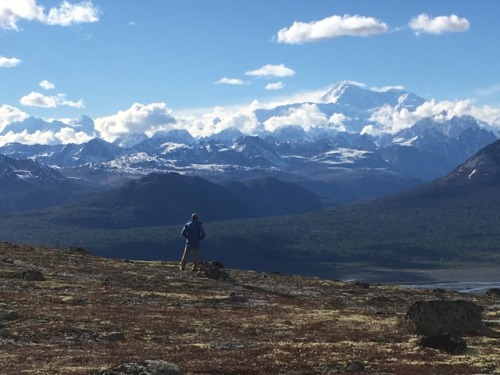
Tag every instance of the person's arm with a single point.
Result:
(202, 232)
(184, 231)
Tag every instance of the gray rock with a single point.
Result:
(148, 367)
(216, 274)
(355, 366)
(493, 292)
(33, 275)
(235, 298)
(448, 343)
(6, 334)
(8, 315)
(78, 250)
(112, 336)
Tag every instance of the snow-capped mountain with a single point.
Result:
(336, 161)
(26, 184)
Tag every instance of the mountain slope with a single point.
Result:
(475, 182)
(28, 185)
(451, 222)
(272, 197)
(166, 199)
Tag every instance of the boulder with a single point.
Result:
(112, 336)
(6, 334)
(355, 366)
(216, 274)
(493, 292)
(439, 317)
(78, 250)
(448, 343)
(8, 315)
(33, 275)
(148, 367)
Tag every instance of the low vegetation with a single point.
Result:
(84, 314)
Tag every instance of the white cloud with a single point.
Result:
(47, 85)
(36, 99)
(219, 119)
(9, 114)
(338, 120)
(11, 12)
(271, 71)
(331, 27)
(68, 14)
(307, 116)
(139, 118)
(65, 135)
(392, 120)
(69, 135)
(14, 11)
(438, 25)
(275, 86)
(230, 81)
(9, 62)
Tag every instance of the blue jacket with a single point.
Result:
(194, 232)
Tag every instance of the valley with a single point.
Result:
(334, 204)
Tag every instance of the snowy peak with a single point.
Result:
(430, 130)
(357, 95)
(130, 140)
(174, 136)
(14, 171)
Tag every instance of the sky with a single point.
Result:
(205, 65)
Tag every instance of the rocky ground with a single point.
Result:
(67, 312)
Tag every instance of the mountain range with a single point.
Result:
(339, 165)
(451, 222)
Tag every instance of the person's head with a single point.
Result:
(194, 216)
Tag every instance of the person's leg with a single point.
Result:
(196, 259)
(184, 258)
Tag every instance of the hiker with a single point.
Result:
(194, 233)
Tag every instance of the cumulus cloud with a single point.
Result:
(338, 121)
(36, 99)
(9, 114)
(12, 12)
(139, 118)
(68, 14)
(307, 116)
(220, 118)
(65, 135)
(230, 81)
(275, 86)
(331, 27)
(438, 25)
(392, 120)
(47, 85)
(271, 71)
(9, 62)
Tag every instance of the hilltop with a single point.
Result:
(69, 312)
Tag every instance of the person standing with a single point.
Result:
(194, 233)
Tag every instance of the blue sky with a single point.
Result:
(124, 62)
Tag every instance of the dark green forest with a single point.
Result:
(383, 233)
